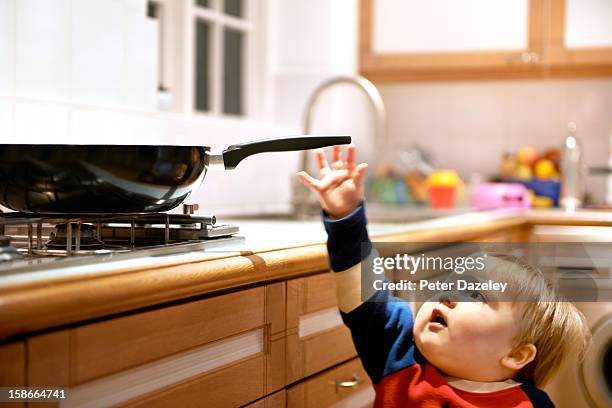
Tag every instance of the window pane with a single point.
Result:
(202, 74)
(233, 7)
(232, 72)
(202, 3)
(152, 9)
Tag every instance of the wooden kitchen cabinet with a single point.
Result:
(276, 400)
(412, 41)
(228, 350)
(392, 51)
(520, 233)
(12, 372)
(347, 385)
(580, 37)
(316, 337)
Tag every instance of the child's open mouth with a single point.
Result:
(437, 320)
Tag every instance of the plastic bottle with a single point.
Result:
(571, 171)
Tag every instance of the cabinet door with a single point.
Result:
(228, 349)
(580, 36)
(344, 386)
(277, 400)
(12, 369)
(316, 337)
(449, 39)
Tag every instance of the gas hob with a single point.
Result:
(37, 239)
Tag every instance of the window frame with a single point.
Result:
(178, 66)
(218, 20)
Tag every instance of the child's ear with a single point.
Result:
(519, 357)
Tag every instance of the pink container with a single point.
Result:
(500, 195)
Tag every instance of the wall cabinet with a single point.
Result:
(580, 37)
(410, 40)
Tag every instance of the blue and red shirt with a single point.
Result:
(382, 333)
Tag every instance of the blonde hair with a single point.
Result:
(555, 327)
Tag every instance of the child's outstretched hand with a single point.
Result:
(340, 187)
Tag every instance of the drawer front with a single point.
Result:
(278, 400)
(228, 350)
(230, 387)
(12, 368)
(344, 386)
(145, 337)
(316, 337)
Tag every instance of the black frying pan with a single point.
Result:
(111, 179)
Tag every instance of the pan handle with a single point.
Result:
(236, 153)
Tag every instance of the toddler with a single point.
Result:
(460, 350)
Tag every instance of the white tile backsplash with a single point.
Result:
(39, 123)
(98, 52)
(7, 47)
(80, 51)
(98, 126)
(6, 122)
(141, 77)
(43, 49)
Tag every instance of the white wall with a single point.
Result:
(315, 40)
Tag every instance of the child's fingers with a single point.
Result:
(336, 153)
(350, 158)
(322, 161)
(309, 181)
(334, 179)
(359, 174)
(337, 163)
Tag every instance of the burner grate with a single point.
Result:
(78, 234)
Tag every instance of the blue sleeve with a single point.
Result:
(348, 242)
(382, 326)
(382, 333)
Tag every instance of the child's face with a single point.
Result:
(467, 339)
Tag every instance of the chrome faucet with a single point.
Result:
(304, 202)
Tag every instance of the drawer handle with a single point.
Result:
(354, 382)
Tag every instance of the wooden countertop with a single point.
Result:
(60, 296)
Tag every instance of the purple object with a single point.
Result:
(500, 195)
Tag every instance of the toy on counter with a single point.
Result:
(442, 187)
(488, 196)
(539, 173)
(402, 178)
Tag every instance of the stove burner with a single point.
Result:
(37, 236)
(59, 238)
(7, 252)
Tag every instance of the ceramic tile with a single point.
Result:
(141, 69)
(43, 49)
(113, 127)
(7, 134)
(42, 123)
(7, 47)
(98, 52)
